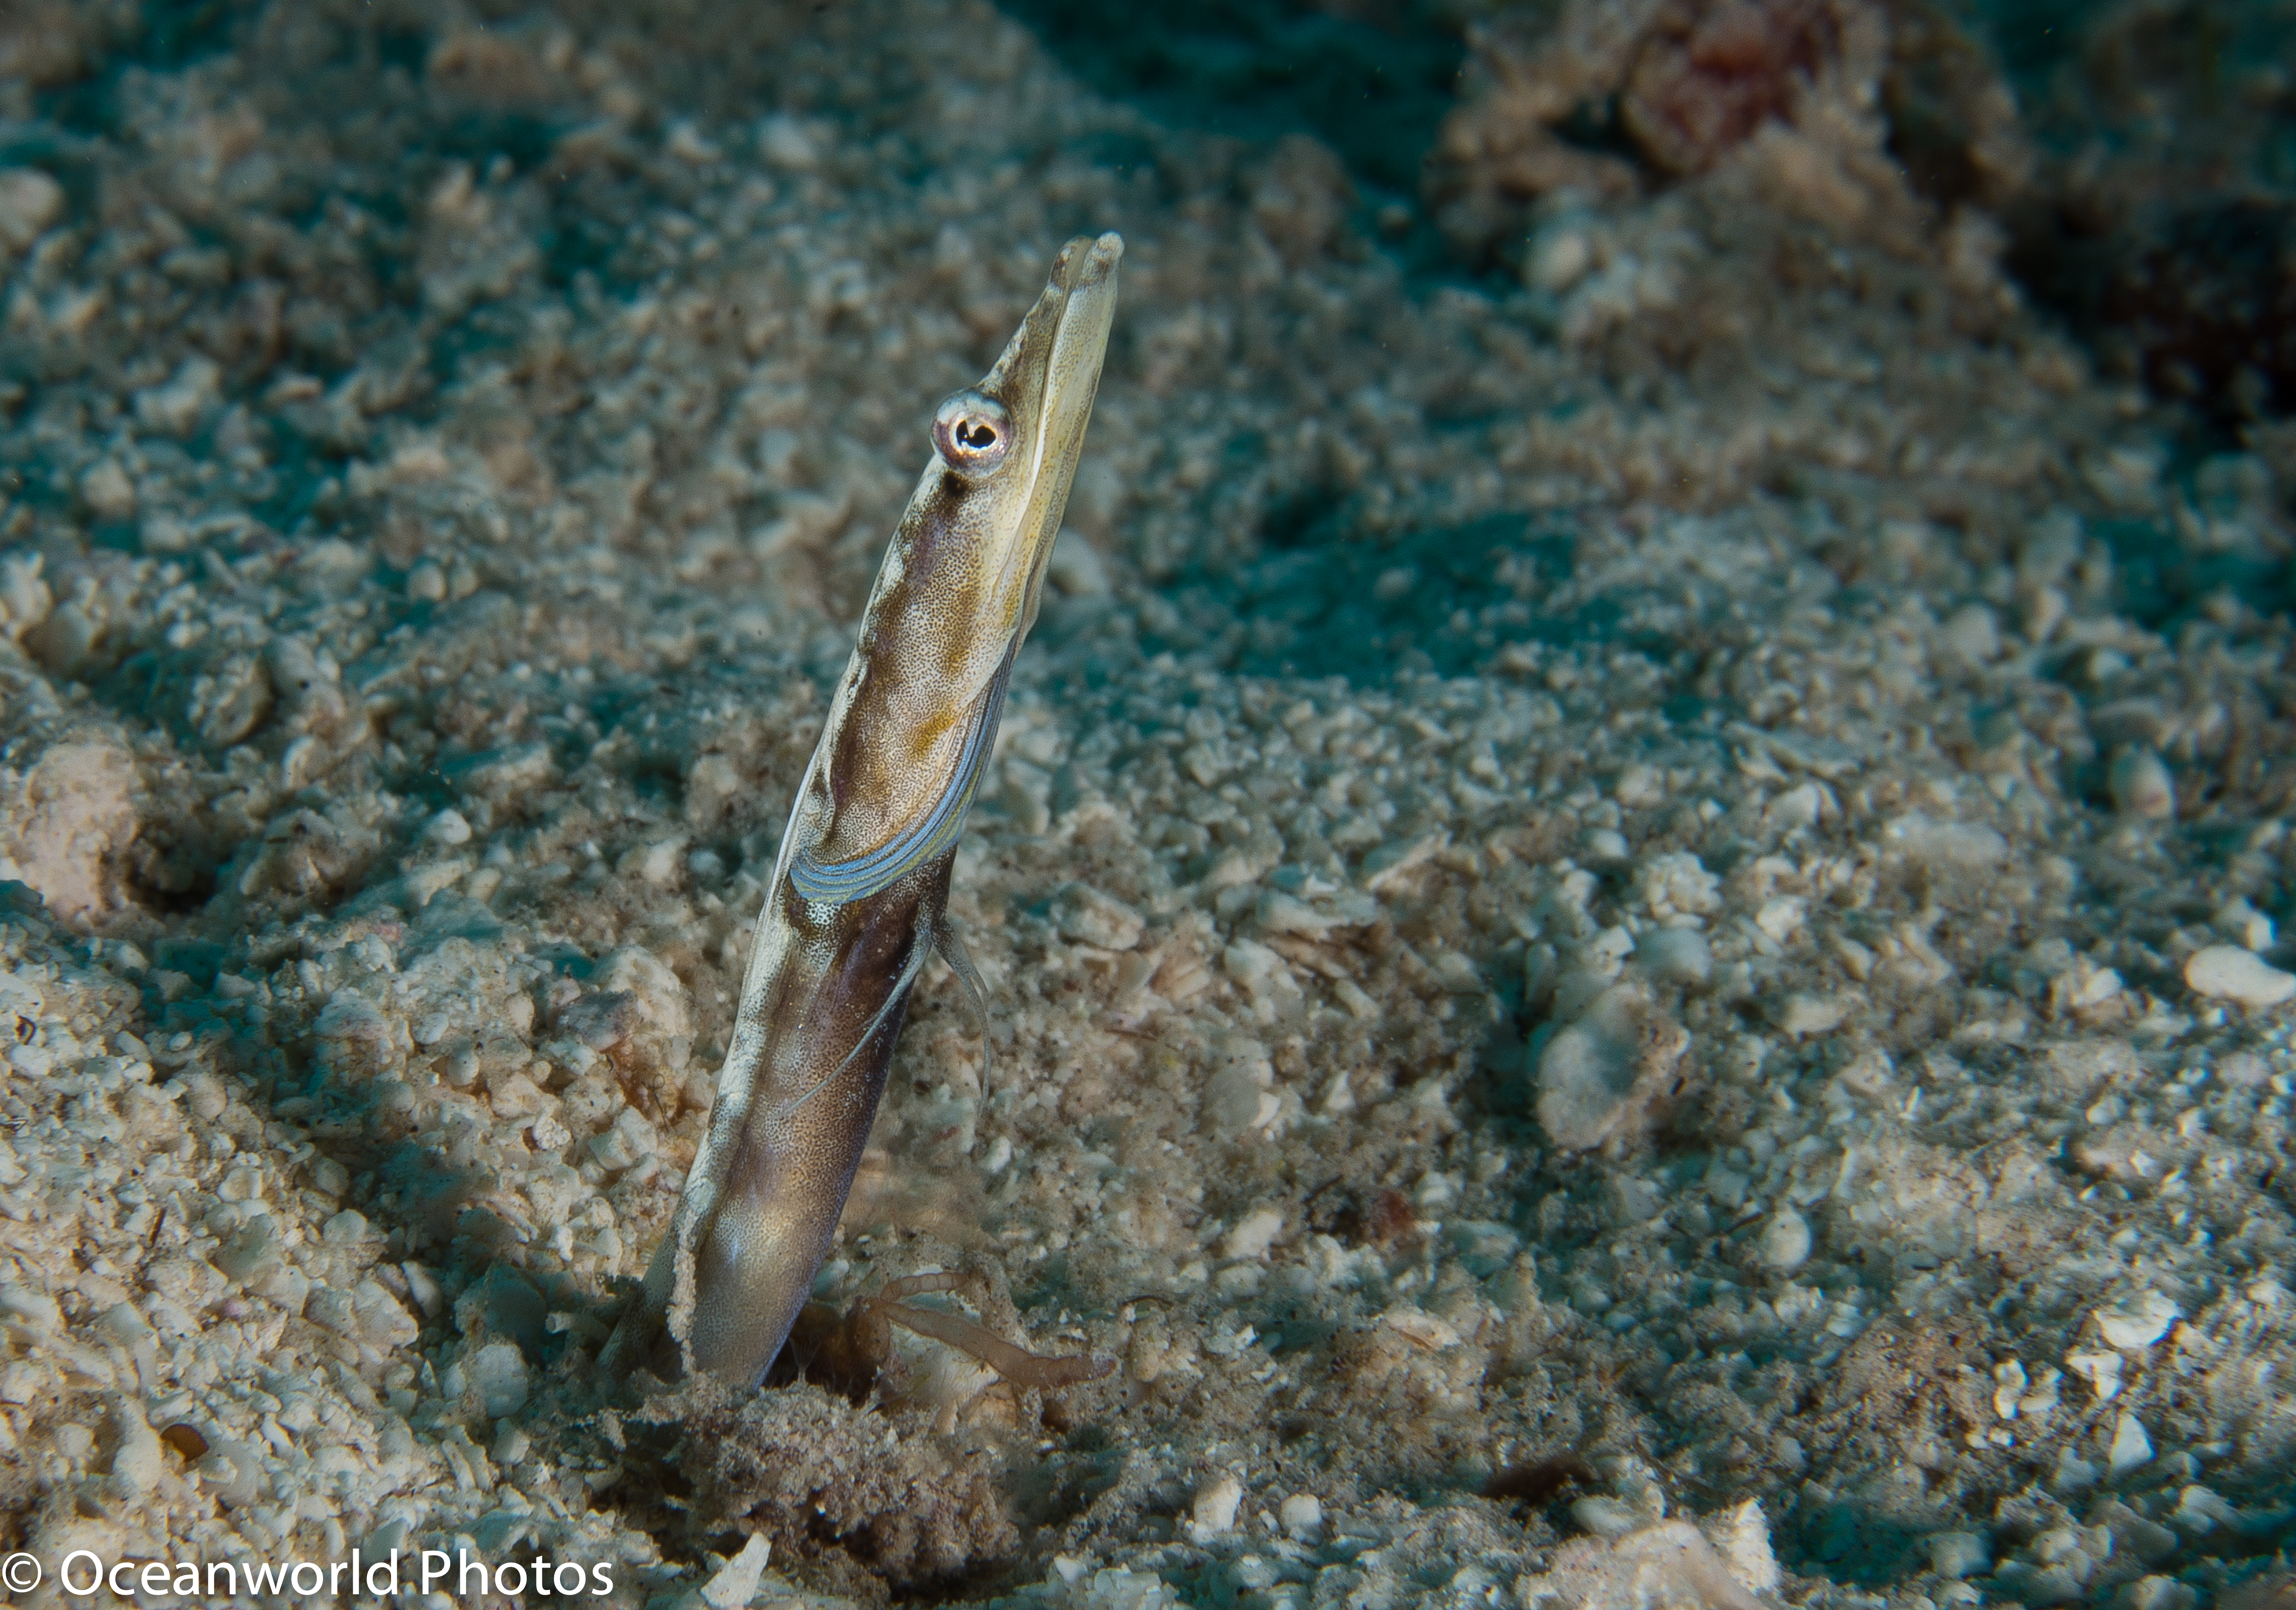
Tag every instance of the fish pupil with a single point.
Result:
(975, 435)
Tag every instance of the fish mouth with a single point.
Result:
(1049, 375)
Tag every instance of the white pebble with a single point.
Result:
(423, 1288)
(1785, 1242)
(2010, 1389)
(1782, 918)
(107, 490)
(450, 826)
(1802, 1015)
(1254, 1232)
(1115, 1587)
(2200, 1511)
(1586, 1074)
(1677, 882)
(2138, 1321)
(2131, 1448)
(1302, 1514)
(135, 1463)
(2102, 1371)
(1605, 952)
(1089, 918)
(1742, 1535)
(2141, 785)
(659, 866)
(2157, 1593)
(1606, 1517)
(1238, 1098)
(1973, 633)
(1964, 846)
(499, 1373)
(1214, 1510)
(2228, 972)
(1679, 956)
(349, 1015)
(1558, 259)
(1277, 912)
(1796, 809)
(1959, 1554)
(2244, 1070)
(176, 406)
(30, 201)
(734, 1583)
(2244, 925)
(688, 143)
(786, 142)
(34, 1310)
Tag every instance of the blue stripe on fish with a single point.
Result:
(845, 882)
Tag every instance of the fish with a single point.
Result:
(859, 895)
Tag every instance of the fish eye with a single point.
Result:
(971, 431)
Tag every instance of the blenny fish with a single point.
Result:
(859, 893)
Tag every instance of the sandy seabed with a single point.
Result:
(1631, 918)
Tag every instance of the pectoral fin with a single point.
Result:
(976, 993)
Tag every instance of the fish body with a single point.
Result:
(859, 892)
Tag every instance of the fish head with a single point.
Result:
(1004, 456)
(916, 715)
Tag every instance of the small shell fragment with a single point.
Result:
(1420, 1328)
